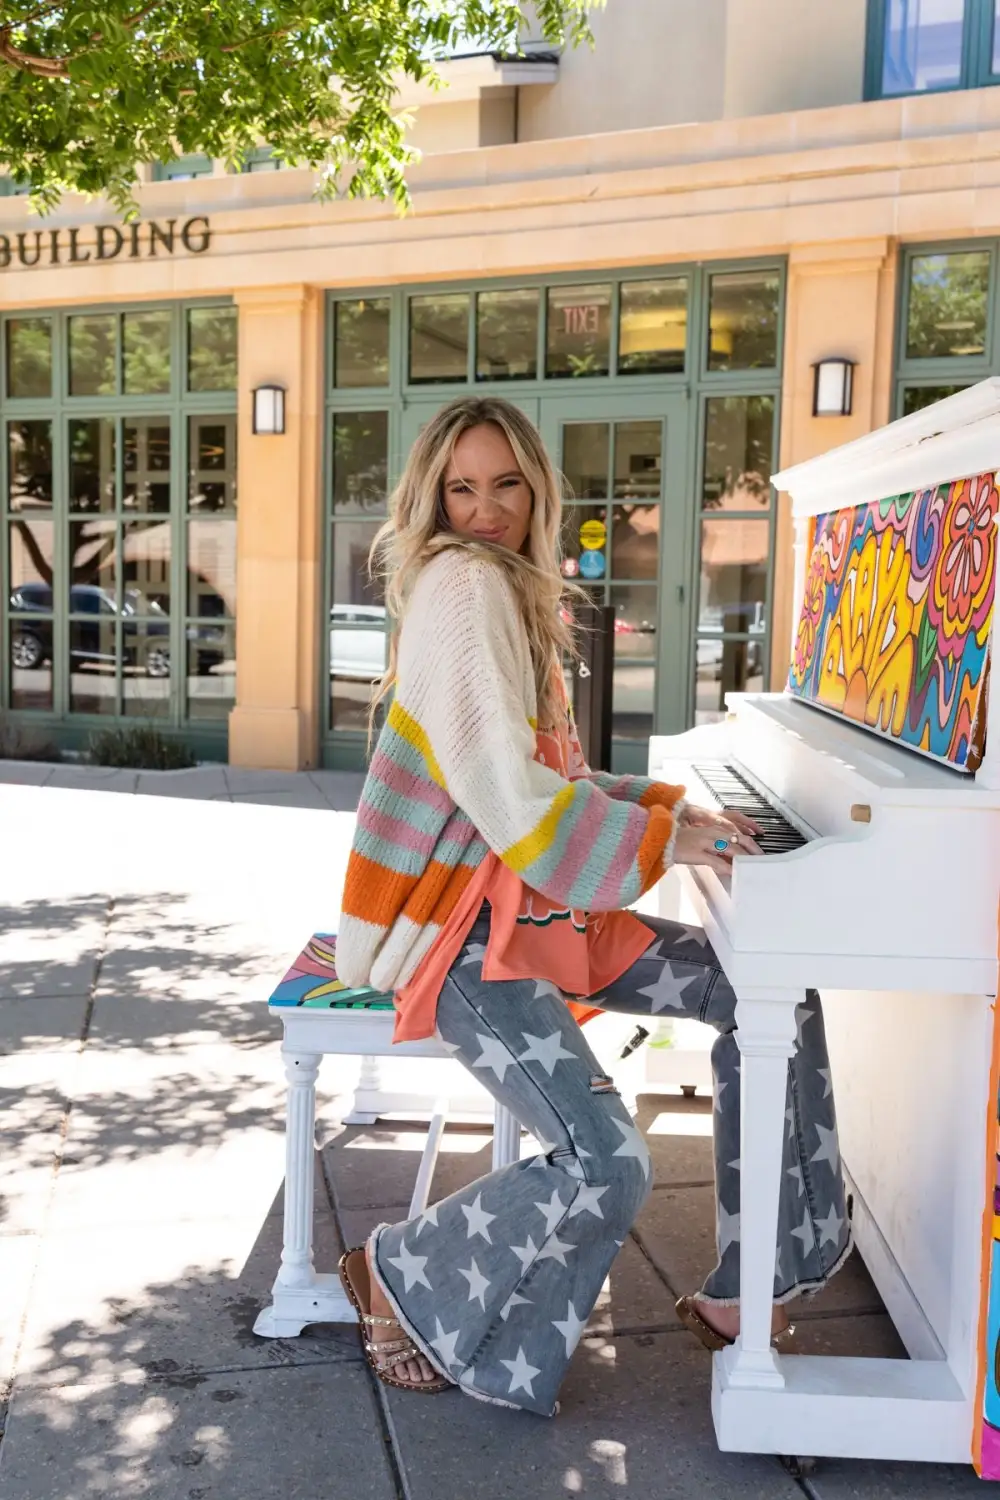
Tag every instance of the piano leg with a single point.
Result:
(766, 1033)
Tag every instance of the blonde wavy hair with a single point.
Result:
(418, 528)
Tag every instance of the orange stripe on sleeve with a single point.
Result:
(374, 893)
(661, 794)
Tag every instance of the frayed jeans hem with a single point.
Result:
(800, 1289)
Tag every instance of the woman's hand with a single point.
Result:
(702, 817)
(696, 840)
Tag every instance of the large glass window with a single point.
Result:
(578, 331)
(357, 629)
(924, 46)
(119, 593)
(735, 549)
(948, 321)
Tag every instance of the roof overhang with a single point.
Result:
(468, 78)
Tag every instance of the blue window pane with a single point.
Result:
(923, 45)
(995, 68)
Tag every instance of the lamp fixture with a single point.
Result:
(269, 410)
(833, 387)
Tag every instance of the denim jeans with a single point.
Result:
(495, 1283)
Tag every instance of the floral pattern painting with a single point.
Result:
(896, 615)
(312, 982)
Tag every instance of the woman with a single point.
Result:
(487, 882)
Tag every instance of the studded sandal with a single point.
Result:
(382, 1355)
(686, 1309)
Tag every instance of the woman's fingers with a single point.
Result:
(742, 823)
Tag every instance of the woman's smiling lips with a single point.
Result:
(492, 535)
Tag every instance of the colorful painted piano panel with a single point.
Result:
(896, 615)
(312, 982)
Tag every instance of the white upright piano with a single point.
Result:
(880, 889)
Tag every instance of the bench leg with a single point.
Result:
(506, 1138)
(428, 1161)
(367, 1092)
(299, 1295)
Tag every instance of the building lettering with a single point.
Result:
(104, 242)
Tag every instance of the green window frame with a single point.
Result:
(979, 41)
(394, 398)
(197, 570)
(181, 168)
(939, 303)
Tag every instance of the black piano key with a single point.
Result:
(734, 793)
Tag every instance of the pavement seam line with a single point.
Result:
(7, 1391)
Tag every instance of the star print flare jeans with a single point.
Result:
(495, 1283)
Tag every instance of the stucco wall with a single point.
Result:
(655, 62)
(667, 62)
(792, 54)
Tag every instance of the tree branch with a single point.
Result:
(25, 62)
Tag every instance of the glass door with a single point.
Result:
(627, 539)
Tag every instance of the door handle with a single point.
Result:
(680, 593)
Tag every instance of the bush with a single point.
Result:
(139, 747)
(18, 743)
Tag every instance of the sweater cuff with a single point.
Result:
(657, 847)
(662, 794)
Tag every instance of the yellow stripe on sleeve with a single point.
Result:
(520, 855)
(409, 730)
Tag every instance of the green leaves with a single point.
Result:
(88, 91)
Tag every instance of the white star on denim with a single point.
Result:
(570, 1327)
(667, 991)
(445, 1343)
(478, 1219)
(494, 1055)
(474, 954)
(546, 987)
(582, 1155)
(728, 1230)
(587, 1201)
(654, 951)
(796, 1172)
(804, 1232)
(521, 1373)
(791, 1124)
(777, 1264)
(412, 1267)
(721, 1083)
(736, 1165)
(691, 935)
(514, 1300)
(802, 1015)
(477, 1283)
(632, 1145)
(547, 1050)
(555, 1249)
(448, 1046)
(828, 1149)
(824, 1073)
(830, 1226)
(553, 1211)
(525, 1253)
(429, 1216)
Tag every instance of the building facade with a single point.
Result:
(647, 246)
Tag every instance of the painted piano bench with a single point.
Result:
(321, 1016)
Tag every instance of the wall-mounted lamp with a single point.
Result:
(833, 387)
(269, 410)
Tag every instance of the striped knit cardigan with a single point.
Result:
(454, 775)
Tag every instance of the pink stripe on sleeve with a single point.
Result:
(580, 844)
(609, 891)
(384, 769)
(394, 830)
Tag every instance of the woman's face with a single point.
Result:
(486, 497)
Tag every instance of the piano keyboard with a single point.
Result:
(734, 793)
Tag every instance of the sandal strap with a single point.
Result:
(389, 1346)
(395, 1359)
(373, 1320)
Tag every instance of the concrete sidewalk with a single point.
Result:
(140, 1196)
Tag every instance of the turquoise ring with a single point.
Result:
(722, 845)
